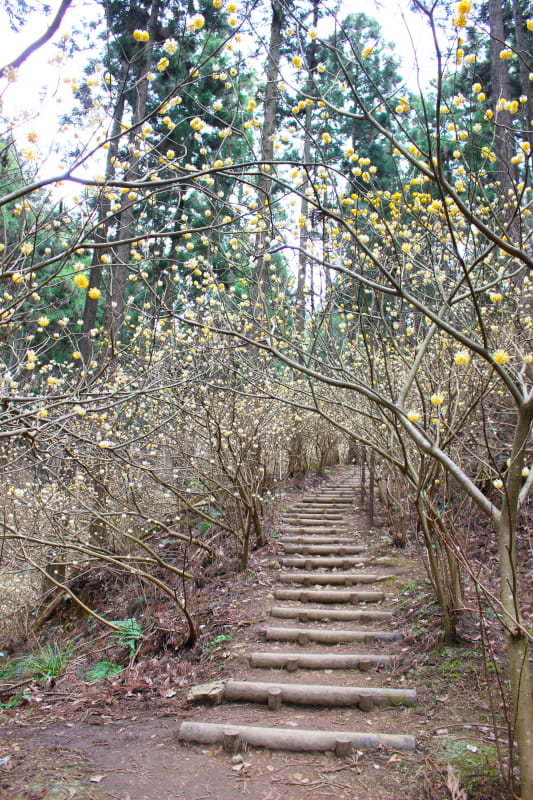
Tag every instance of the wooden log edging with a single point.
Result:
(312, 613)
(316, 520)
(293, 661)
(330, 578)
(310, 548)
(325, 636)
(304, 529)
(292, 740)
(329, 596)
(303, 536)
(308, 562)
(312, 694)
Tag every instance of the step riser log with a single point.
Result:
(310, 614)
(302, 530)
(319, 519)
(291, 740)
(302, 539)
(305, 635)
(324, 562)
(323, 549)
(292, 661)
(325, 596)
(331, 579)
(310, 694)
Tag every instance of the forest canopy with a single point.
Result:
(254, 247)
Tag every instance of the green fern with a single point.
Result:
(129, 634)
(101, 670)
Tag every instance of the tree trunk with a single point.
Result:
(363, 474)
(525, 83)
(100, 235)
(116, 294)
(264, 182)
(517, 640)
(304, 204)
(501, 88)
(435, 574)
(371, 483)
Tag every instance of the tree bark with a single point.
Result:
(517, 640)
(264, 182)
(116, 294)
(100, 236)
(501, 89)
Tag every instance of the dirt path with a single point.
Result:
(317, 632)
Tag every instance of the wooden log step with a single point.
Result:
(321, 512)
(303, 530)
(313, 614)
(318, 513)
(293, 740)
(319, 508)
(330, 578)
(307, 539)
(325, 636)
(329, 596)
(312, 549)
(321, 505)
(309, 562)
(311, 694)
(294, 661)
(312, 520)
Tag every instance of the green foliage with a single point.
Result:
(14, 701)
(476, 765)
(50, 661)
(101, 670)
(204, 526)
(218, 642)
(129, 635)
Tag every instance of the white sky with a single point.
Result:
(391, 15)
(38, 78)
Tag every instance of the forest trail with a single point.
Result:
(329, 628)
(305, 699)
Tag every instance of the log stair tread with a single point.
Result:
(319, 551)
(292, 661)
(330, 595)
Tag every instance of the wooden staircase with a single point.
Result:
(331, 606)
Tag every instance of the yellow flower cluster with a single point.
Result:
(403, 105)
(141, 36)
(170, 46)
(196, 22)
(501, 357)
(463, 10)
(462, 358)
(81, 280)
